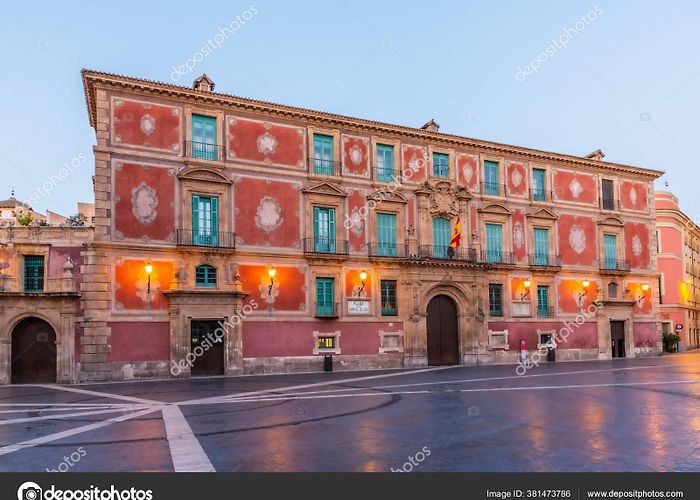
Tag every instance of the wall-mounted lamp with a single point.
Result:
(585, 284)
(645, 288)
(149, 270)
(272, 272)
(363, 278)
(527, 284)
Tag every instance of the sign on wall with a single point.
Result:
(358, 306)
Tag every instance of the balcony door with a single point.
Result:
(205, 220)
(324, 230)
(541, 236)
(204, 137)
(386, 235)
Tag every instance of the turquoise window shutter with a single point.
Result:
(385, 163)
(441, 237)
(386, 234)
(494, 242)
(538, 185)
(195, 216)
(323, 154)
(214, 228)
(441, 164)
(491, 186)
(543, 300)
(541, 246)
(325, 296)
(324, 230)
(610, 251)
(204, 137)
(331, 230)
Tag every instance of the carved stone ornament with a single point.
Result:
(443, 198)
(143, 203)
(268, 217)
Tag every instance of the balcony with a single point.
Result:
(446, 253)
(497, 257)
(326, 311)
(610, 266)
(207, 239)
(544, 260)
(204, 151)
(325, 246)
(321, 166)
(545, 311)
(388, 250)
(493, 189)
(609, 204)
(541, 195)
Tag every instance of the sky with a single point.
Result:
(569, 77)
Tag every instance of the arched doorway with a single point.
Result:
(443, 337)
(33, 352)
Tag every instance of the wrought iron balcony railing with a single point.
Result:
(323, 166)
(613, 265)
(326, 310)
(545, 311)
(497, 257)
(329, 246)
(544, 260)
(446, 253)
(540, 195)
(609, 204)
(212, 239)
(390, 250)
(204, 151)
(493, 189)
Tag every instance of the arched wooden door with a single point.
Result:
(33, 352)
(443, 337)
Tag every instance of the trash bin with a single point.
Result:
(551, 354)
(328, 363)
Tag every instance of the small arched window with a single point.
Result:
(205, 275)
(612, 290)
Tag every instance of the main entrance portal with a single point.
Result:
(443, 337)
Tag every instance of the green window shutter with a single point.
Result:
(331, 230)
(538, 184)
(195, 215)
(324, 230)
(386, 234)
(214, 227)
(385, 163)
(543, 301)
(204, 137)
(388, 293)
(441, 237)
(494, 242)
(323, 154)
(441, 164)
(610, 251)
(495, 300)
(33, 273)
(541, 246)
(491, 186)
(325, 299)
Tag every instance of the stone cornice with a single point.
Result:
(93, 80)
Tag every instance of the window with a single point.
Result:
(491, 178)
(608, 196)
(33, 273)
(205, 276)
(324, 230)
(495, 300)
(204, 137)
(385, 163)
(205, 220)
(323, 155)
(441, 237)
(441, 165)
(325, 297)
(494, 243)
(538, 184)
(661, 293)
(325, 343)
(610, 251)
(388, 293)
(543, 310)
(386, 235)
(541, 246)
(612, 290)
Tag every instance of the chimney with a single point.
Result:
(204, 83)
(596, 155)
(431, 126)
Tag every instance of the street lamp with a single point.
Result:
(585, 284)
(363, 277)
(149, 270)
(645, 288)
(272, 272)
(527, 284)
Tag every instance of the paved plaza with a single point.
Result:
(620, 415)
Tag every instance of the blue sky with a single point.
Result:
(627, 82)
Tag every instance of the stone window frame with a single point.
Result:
(383, 336)
(32, 250)
(613, 226)
(396, 144)
(338, 287)
(496, 334)
(451, 168)
(221, 124)
(192, 184)
(337, 154)
(548, 182)
(501, 160)
(542, 219)
(333, 198)
(390, 276)
(336, 335)
(552, 332)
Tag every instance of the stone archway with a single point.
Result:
(442, 331)
(33, 352)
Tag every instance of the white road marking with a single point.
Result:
(64, 415)
(5, 450)
(98, 394)
(493, 389)
(229, 397)
(186, 452)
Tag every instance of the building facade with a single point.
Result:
(679, 270)
(239, 236)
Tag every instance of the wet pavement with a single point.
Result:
(619, 415)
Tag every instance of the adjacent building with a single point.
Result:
(679, 270)
(238, 236)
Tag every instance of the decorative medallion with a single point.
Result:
(633, 195)
(576, 188)
(415, 164)
(636, 246)
(267, 144)
(443, 199)
(516, 177)
(357, 223)
(468, 173)
(518, 235)
(268, 217)
(148, 124)
(577, 239)
(356, 155)
(143, 203)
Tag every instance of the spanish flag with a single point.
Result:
(456, 235)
